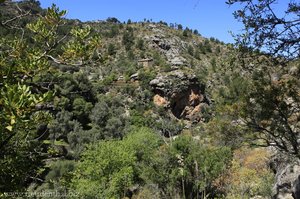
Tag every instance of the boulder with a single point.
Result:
(294, 70)
(177, 61)
(287, 178)
(159, 100)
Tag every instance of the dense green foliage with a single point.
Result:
(23, 118)
(78, 116)
(111, 169)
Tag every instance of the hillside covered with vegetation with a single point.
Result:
(108, 109)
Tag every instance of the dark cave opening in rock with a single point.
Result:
(178, 106)
(183, 105)
(176, 111)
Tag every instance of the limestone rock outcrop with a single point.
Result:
(181, 93)
(169, 46)
(287, 178)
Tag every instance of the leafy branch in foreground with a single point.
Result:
(267, 29)
(21, 61)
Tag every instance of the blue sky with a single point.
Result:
(212, 18)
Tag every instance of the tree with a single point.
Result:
(187, 169)
(140, 44)
(270, 108)
(113, 20)
(273, 112)
(249, 175)
(111, 49)
(190, 50)
(20, 146)
(185, 33)
(105, 171)
(179, 27)
(109, 168)
(22, 130)
(114, 30)
(57, 179)
(266, 29)
(128, 39)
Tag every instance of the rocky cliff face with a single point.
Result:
(169, 46)
(287, 178)
(181, 93)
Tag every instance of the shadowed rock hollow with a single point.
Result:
(181, 93)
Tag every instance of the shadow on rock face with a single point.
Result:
(181, 93)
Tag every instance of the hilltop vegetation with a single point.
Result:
(105, 109)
